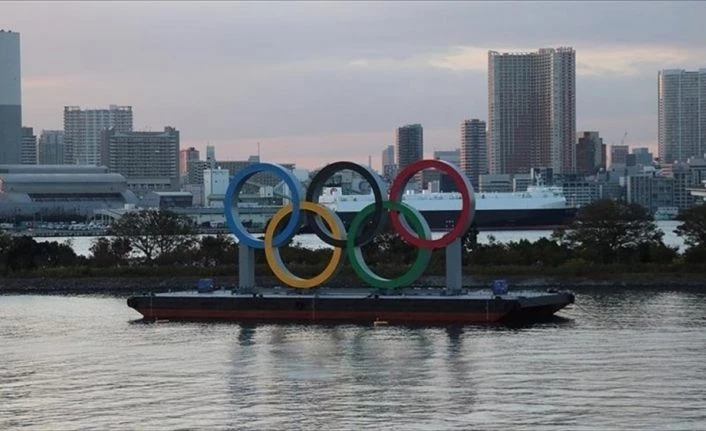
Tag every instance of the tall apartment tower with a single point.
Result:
(532, 111)
(681, 98)
(83, 127)
(389, 168)
(28, 149)
(10, 98)
(409, 145)
(590, 153)
(149, 161)
(474, 158)
(50, 149)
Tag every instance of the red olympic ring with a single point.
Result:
(464, 187)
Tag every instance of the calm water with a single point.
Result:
(629, 360)
(82, 245)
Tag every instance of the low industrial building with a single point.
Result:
(60, 192)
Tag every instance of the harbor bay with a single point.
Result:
(616, 360)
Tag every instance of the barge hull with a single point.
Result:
(393, 309)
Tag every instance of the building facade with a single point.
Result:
(619, 155)
(409, 145)
(10, 97)
(215, 185)
(590, 153)
(50, 148)
(185, 156)
(211, 156)
(650, 191)
(436, 180)
(28, 148)
(389, 168)
(474, 156)
(681, 99)
(149, 161)
(532, 111)
(83, 128)
(59, 192)
(643, 156)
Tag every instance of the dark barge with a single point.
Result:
(433, 306)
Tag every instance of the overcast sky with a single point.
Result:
(318, 82)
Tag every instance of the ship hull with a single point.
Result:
(354, 306)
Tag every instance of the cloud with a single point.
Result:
(594, 60)
(632, 60)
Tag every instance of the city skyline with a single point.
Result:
(234, 74)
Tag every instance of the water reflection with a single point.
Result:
(616, 360)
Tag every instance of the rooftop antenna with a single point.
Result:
(258, 150)
(370, 161)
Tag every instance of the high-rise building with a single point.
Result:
(590, 153)
(474, 159)
(532, 111)
(681, 98)
(10, 98)
(149, 161)
(211, 156)
(388, 162)
(28, 148)
(83, 127)
(409, 145)
(186, 155)
(50, 149)
(619, 154)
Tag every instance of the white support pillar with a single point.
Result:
(246, 266)
(453, 266)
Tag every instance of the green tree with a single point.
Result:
(693, 227)
(25, 254)
(609, 231)
(217, 250)
(20, 254)
(155, 233)
(693, 230)
(107, 252)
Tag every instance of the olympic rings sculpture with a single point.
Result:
(363, 228)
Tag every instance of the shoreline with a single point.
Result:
(126, 286)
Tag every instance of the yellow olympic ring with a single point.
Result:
(274, 260)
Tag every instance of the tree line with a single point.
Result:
(604, 233)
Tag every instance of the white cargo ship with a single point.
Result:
(540, 207)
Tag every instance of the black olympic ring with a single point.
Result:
(378, 219)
